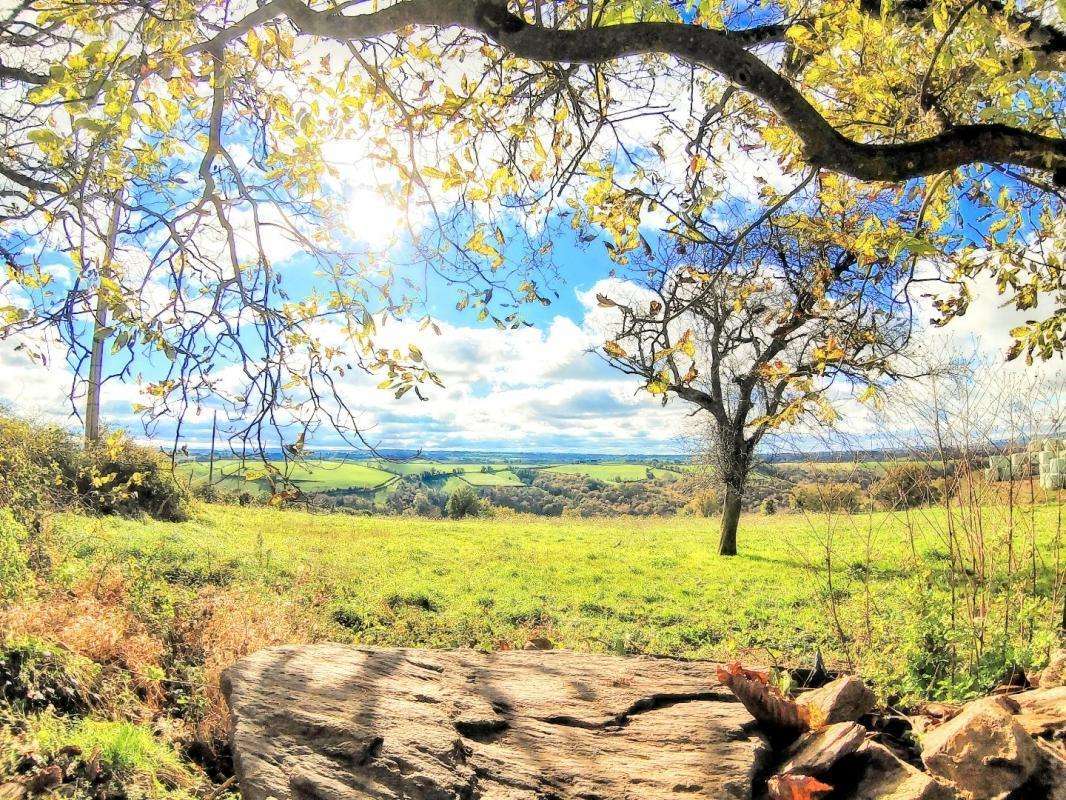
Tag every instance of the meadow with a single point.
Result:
(868, 591)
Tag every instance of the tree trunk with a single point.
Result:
(734, 460)
(96, 351)
(727, 545)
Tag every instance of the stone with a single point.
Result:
(1042, 712)
(843, 700)
(817, 751)
(334, 722)
(1054, 674)
(983, 751)
(883, 776)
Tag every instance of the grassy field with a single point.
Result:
(613, 472)
(501, 478)
(624, 585)
(318, 476)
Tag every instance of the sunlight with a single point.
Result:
(372, 218)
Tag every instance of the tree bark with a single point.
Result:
(96, 352)
(727, 544)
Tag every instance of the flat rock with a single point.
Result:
(331, 722)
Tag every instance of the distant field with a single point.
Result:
(420, 466)
(503, 478)
(849, 466)
(380, 474)
(310, 476)
(613, 472)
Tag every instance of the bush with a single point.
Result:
(462, 503)
(124, 477)
(36, 677)
(425, 507)
(908, 485)
(769, 506)
(44, 468)
(39, 466)
(704, 504)
(827, 496)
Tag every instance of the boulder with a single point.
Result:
(883, 776)
(1042, 712)
(331, 722)
(983, 751)
(1054, 674)
(843, 700)
(817, 751)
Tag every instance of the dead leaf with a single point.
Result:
(780, 714)
(796, 787)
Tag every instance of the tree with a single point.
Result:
(204, 131)
(756, 337)
(462, 502)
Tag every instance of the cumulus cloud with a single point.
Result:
(532, 389)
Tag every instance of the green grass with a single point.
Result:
(625, 585)
(612, 472)
(130, 750)
(502, 478)
(310, 476)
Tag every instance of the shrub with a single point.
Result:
(425, 507)
(704, 504)
(125, 477)
(769, 506)
(908, 485)
(39, 466)
(462, 503)
(827, 496)
(44, 468)
(36, 677)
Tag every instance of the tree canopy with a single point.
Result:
(158, 150)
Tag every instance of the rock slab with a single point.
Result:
(332, 722)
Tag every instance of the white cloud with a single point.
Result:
(523, 390)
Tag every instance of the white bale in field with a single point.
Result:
(1058, 466)
(1035, 445)
(1045, 459)
(999, 462)
(991, 474)
(1052, 481)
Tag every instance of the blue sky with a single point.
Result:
(533, 389)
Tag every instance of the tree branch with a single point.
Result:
(721, 51)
